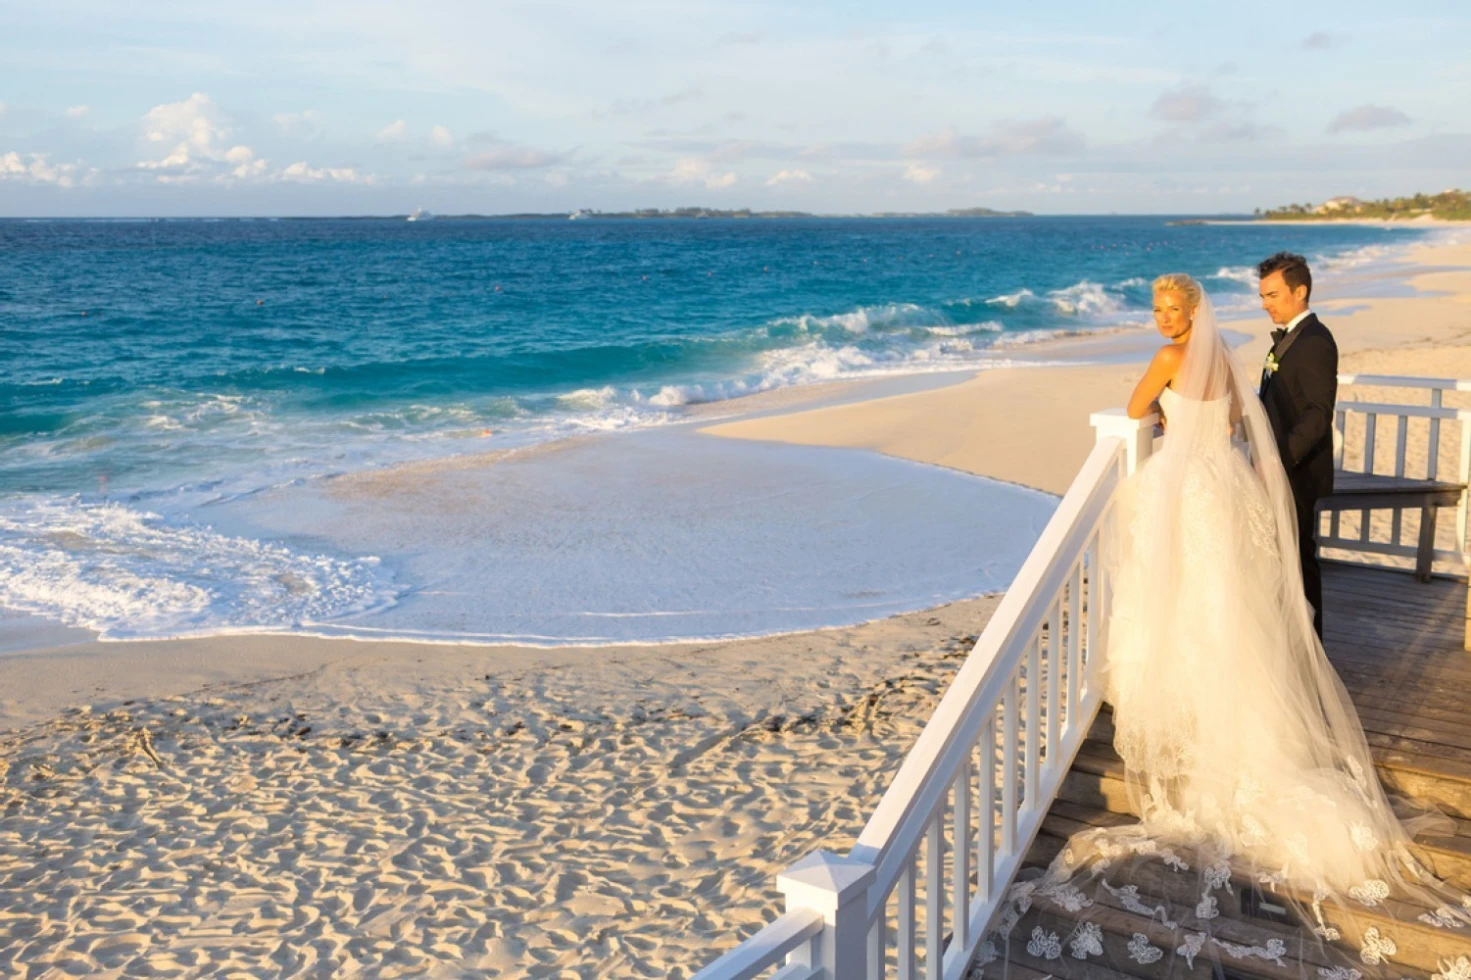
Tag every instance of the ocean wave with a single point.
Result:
(882, 316)
(1244, 274)
(129, 574)
(1085, 299)
(965, 329)
(1011, 300)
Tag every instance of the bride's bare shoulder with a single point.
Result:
(1170, 355)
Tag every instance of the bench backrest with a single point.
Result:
(1359, 447)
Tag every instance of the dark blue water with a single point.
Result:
(151, 354)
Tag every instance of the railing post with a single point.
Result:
(837, 888)
(1137, 434)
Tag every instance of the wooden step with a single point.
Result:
(1415, 769)
(1120, 926)
(1420, 946)
(1096, 781)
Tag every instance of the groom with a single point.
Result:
(1299, 387)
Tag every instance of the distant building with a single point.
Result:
(1338, 204)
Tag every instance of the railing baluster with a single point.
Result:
(1432, 460)
(905, 928)
(1033, 719)
(934, 942)
(1008, 769)
(960, 848)
(876, 944)
(986, 815)
(1402, 435)
(1074, 645)
(1371, 421)
(1340, 423)
(1055, 658)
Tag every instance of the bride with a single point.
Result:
(1243, 754)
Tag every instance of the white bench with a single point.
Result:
(1394, 486)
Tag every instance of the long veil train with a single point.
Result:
(1244, 756)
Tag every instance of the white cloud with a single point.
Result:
(306, 124)
(788, 176)
(394, 132)
(77, 111)
(504, 155)
(1013, 137)
(1368, 117)
(440, 136)
(300, 172)
(1191, 103)
(198, 131)
(917, 173)
(34, 168)
(692, 170)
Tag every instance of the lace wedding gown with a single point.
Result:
(1243, 754)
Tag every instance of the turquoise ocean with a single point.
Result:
(177, 399)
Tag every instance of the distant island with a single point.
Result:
(668, 213)
(1452, 205)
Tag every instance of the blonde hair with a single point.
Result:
(1179, 282)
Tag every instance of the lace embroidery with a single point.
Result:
(1129, 897)
(1357, 771)
(1272, 952)
(1067, 896)
(1370, 893)
(986, 954)
(1206, 909)
(1218, 875)
(1363, 837)
(1088, 941)
(1248, 792)
(1377, 949)
(1191, 947)
(1459, 970)
(1339, 973)
(1045, 944)
(1141, 952)
(1323, 929)
(1173, 860)
(1441, 918)
(1252, 832)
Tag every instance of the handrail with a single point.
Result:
(1404, 381)
(977, 685)
(1023, 701)
(768, 948)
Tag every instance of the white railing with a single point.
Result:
(1362, 442)
(932, 865)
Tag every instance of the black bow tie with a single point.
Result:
(1277, 336)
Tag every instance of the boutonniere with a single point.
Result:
(1272, 363)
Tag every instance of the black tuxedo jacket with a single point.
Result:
(1299, 400)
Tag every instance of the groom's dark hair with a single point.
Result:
(1294, 269)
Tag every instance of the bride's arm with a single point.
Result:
(1161, 372)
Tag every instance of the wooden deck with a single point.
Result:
(1397, 644)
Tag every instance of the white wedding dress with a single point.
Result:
(1243, 754)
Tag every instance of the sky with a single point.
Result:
(328, 107)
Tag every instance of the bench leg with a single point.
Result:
(1426, 552)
